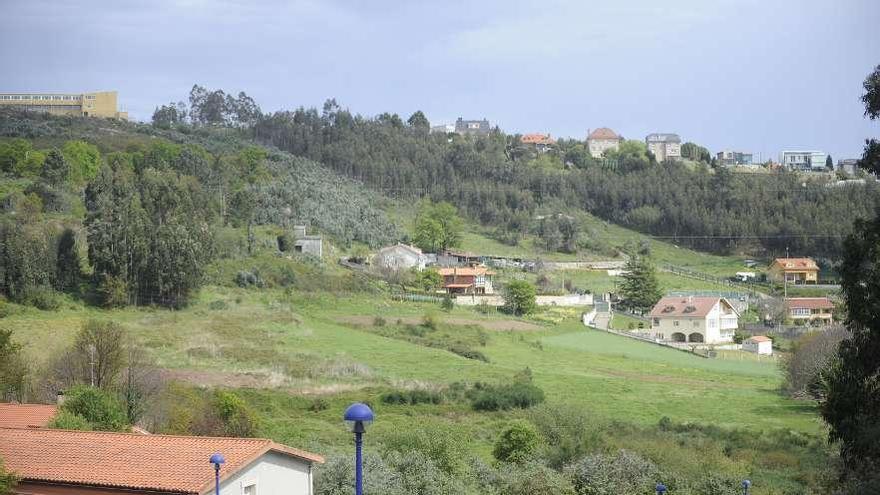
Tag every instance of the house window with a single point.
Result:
(712, 323)
(696, 323)
(656, 322)
(675, 323)
(249, 488)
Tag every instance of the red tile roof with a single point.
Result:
(809, 303)
(124, 460)
(603, 133)
(796, 263)
(684, 306)
(465, 271)
(26, 415)
(759, 338)
(537, 139)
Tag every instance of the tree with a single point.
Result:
(852, 405)
(419, 122)
(7, 480)
(829, 163)
(640, 289)
(100, 352)
(13, 368)
(437, 227)
(519, 298)
(56, 170)
(517, 443)
(225, 414)
(170, 115)
(806, 366)
(83, 161)
(99, 408)
(428, 280)
(68, 271)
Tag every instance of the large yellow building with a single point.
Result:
(98, 104)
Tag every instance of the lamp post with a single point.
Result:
(746, 484)
(216, 460)
(358, 416)
(661, 488)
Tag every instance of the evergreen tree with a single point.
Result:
(67, 265)
(55, 168)
(829, 163)
(640, 289)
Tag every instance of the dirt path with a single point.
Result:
(496, 325)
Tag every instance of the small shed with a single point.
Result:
(759, 344)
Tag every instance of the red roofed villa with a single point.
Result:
(601, 140)
(794, 271)
(467, 280)
(63, 462)
(810, 310)
(709, 320)
(542, 142)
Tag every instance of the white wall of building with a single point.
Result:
(271, 474)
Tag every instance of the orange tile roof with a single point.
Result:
(796, 263)
(603, 133)
(465, 271)
(809, 303)
(124, 460)
(26, 415)
(537, 139)
(759, 338)
(684, 306)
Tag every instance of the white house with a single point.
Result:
(400, 257)
(59, 462)
(758, 344)
(709, 320)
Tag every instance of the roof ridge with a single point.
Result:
(138, 435)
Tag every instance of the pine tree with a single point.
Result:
(640, 289)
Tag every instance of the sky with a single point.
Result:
(751, 75)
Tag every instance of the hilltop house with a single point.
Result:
(400, 257)
(734, 158)
(467, 280)
(794, 271)
(665, 146)
(803, 160)
(14, 415)
(759, 344)
(541, 142)
(62, 462)
(710, 320)
(810, 310)
(472, 127)
(601, 140)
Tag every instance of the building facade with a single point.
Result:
(709, 320)
(810, 310)
(307, 244)
(664, 146)
(601, 140)
(734, 158)
(400, 257)
(849, 166)
(809, 161)
(472, 127)
(759, 344)
(467, 280)
(794, 271)
(98, 104)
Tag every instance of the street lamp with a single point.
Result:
(661, 488)
(358, 416)
(746, 485)
(216, 460)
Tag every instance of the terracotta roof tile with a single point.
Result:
(796, 263)
(603, 133)
(25, 415)
(809, 303)
(684, 306)
(465, 271)
(759, 338)
(144, 462)
(537, 139)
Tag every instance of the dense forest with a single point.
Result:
(500, 183)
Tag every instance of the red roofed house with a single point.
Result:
(62, 462)
(794, 271)
(810, 310)
(758, 344)
(541, 142)
(710, 320)
(601, 140)
(14, 415)
(467, 280)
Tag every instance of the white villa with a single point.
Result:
(704, 320)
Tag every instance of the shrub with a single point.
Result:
(623, 472)
(319, 404)
(447, 304)
(502, 397)
(412, 397)
(218, 305)
(379, 321)
(101, 410)
(430, 321)
(225, 414)
(113, 292)
(533, 478)
(519, 298)
(468, 353)
(43, 298)
(66, 420)
(246, 278)
(569, 432)
(518, 443)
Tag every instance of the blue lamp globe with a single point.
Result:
(217, 459)
(661, 488)
(358, 416)
(747, 483)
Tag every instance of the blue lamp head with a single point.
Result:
(358, 415)
(747, 483)
(661, 488)
(217, 459)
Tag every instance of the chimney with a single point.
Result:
(59, 398)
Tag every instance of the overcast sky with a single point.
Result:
(753, 75)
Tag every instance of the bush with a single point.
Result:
(412, 397)
(623, 472)
(447, 304)
(218, 305)
(503, 397)
(101, 410)
(225, 414)
(43, 298)
(430, 321)
(518, 443)
(113, 292)
(252, 278)
(568, 431)
(379, 321)
(319, 404)
(66, 420)
(533, 478)
(519, 298)
(468, 353)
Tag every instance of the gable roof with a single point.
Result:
(465, 271)
(759, 338)
(26, 415)
(537, 139)
(685, 306)
(602, 133)
(809, 303)
(401, 245)
(796, 263)
(162, 463)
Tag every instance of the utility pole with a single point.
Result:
(92, 351)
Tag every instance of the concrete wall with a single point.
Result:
(599, 146)
(571, 300)
(274, 474)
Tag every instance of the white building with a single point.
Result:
(400, 257)
(54, 462)
(758, 344)
(709, 320)
(665, 146)
(601, 140)
(813, 161)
